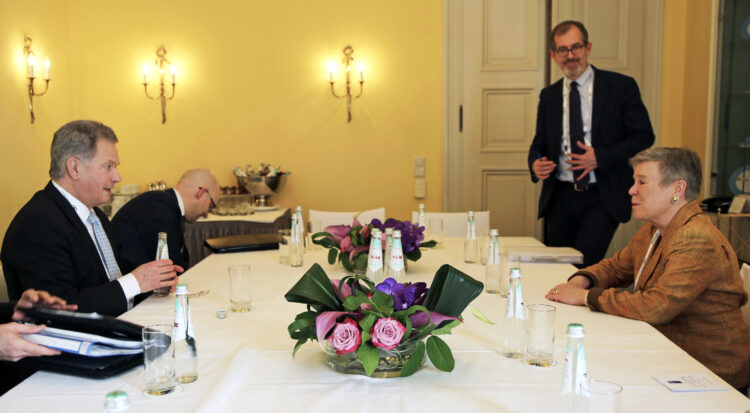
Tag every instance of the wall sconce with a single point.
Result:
(31, 60)
(161, 52)
(347, 60)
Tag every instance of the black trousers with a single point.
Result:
(578, 219)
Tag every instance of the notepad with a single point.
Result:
(694, 382)
(564, 255)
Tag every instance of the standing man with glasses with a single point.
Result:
(588, 125)
(138, 223)
(61, 242)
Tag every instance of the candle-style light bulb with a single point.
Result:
(31, 65)
(145, 74)
(361, 67)
(46, 68)
(174, 71)
(331, 69)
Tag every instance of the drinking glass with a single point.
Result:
(158, 359)
(240, 291)
(285, 239)
(540, 335)
(601, 396)
(435, 231)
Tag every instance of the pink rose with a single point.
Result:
(387, 333)
(346, 244)
(346, 337)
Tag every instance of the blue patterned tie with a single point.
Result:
(105, 249)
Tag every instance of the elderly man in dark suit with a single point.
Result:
(61, 242)
(588, 125)
(138, 223)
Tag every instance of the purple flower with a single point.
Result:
(411, 234)
(404, 295)
(338, 232)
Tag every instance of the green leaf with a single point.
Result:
(332, 253)
(428, 244)
(414, 255)
(367, 322)
(423, 331)
(369, 356)
(344, 258)
(478, 314)
(451, 291)
(360, 261)
(299, 344)
(382, 302)
(315, 289)
(446, 329)
(353, 302)
(440, 354)
(413, 364)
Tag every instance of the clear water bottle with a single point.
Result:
(301, 228)
(574, 371)
(185, 352)
(471, 243)
(421, 219)
(514, 325)
(296, 248)
(162, 253)
(396, 269)
(388, 248)
(375, 258)
(494, 269)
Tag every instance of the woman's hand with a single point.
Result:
(568, 293)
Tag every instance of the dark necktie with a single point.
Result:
(183, 248)
(575, 124)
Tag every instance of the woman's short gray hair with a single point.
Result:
(76, 139)
(675, 164)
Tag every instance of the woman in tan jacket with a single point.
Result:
(683, 273)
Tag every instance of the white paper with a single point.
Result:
(691, 383)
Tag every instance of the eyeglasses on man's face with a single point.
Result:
(577, 48)
(213, 204)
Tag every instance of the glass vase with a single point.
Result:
(390, 362)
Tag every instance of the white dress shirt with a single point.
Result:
(586, 90)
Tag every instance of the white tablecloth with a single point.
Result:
(246, 362)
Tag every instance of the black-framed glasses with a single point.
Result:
(213, 204)
(563, 51)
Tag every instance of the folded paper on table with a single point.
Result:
(86, 344)
(691, 383)
(565, 255)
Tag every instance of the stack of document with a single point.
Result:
(87, 344)
(564, 255)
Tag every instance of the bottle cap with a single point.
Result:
(575, 330)
(116, 401)
(181, 289)
(389, 230)
(494, 232)
(397, 233)
(221, 314)
(376, 233)
(471, 214)
(421, 206)
(515, 273)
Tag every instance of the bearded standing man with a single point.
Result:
(589, 124)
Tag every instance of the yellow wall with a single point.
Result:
(252, 87)
(685, 74)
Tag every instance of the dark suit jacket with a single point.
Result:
(48, 248)
(620, 128)
(6, 311)
(137, 225)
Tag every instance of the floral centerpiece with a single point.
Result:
(351, 243)
(384, 329)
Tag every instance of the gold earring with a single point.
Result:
(675, 198)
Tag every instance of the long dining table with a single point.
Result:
(246, 361)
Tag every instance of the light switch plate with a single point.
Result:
(419, 166)
(420, 188)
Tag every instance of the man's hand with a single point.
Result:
(13, 347)
(157, 274)
(34, 298)
(543, 168)
(585, 161)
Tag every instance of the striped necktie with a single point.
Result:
(105, 249)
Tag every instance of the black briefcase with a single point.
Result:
(89, 323)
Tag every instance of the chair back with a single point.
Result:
(454, 223)
(318, 220)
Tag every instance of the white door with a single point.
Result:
(496, 55)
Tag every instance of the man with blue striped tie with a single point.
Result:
(62, 243)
